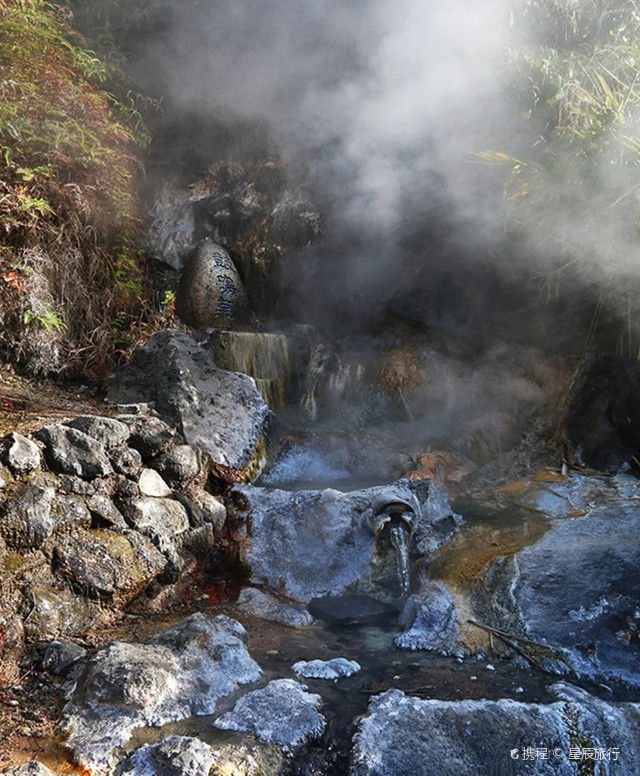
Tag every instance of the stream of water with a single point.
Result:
(400, 542)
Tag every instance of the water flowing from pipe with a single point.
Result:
(406, 406)
(400, 541)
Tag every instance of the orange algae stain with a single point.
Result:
(469, 553)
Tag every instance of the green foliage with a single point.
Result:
(572, 180)
(70, 157)
(116, 28)
(128, 274)
(45, 317)
(576, 70)
(60, 133)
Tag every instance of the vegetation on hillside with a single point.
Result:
(73, 288)
(573, 185)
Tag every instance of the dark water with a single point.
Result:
(277, 648)
(366, 635)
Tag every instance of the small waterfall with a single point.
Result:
(263, 356)
(329, 381)
(315, 369)
(411, 417)
(400, 541)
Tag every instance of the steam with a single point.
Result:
(380, 94)
(379, 108)
(384, 102)
(382, 105)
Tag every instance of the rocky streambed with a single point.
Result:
(185, 621)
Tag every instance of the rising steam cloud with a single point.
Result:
(386, 103)
(382, 92)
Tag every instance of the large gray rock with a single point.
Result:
(311, 544)
(105, 512)
(20, 454)
(121, 687)
(282, 713)
(70, 451)
(103, 563)
(432, 621)
(268, 607)
(183, 464)
(405, 736)
(180, 217)
(576, 591)
(60, 656)
(227, 213)
(181, 672)
(125, 460)
(206, 508)
(211, 292)
(108, 431)
(150, 435)
(163, 520)
(173, 756)
(220, 411)
(55, 613)
(26, 519)
(232, 205)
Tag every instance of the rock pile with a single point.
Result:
(94, 512)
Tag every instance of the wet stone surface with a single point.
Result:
(343, 537)
(283, 713)
(424, 701)
(403, 736)
(183, 671)
(577, 591)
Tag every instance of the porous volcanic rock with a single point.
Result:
(20, 454)
(221, 412)
(404, 736)
(183, 671)
(26, 519)
(70, 451)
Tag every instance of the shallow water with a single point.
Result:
(277, 648)
(491, 528)
(301, 467)
(486, 533)
(421, 674)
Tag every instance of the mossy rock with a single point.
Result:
(103, 564)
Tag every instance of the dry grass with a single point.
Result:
(74, 290)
